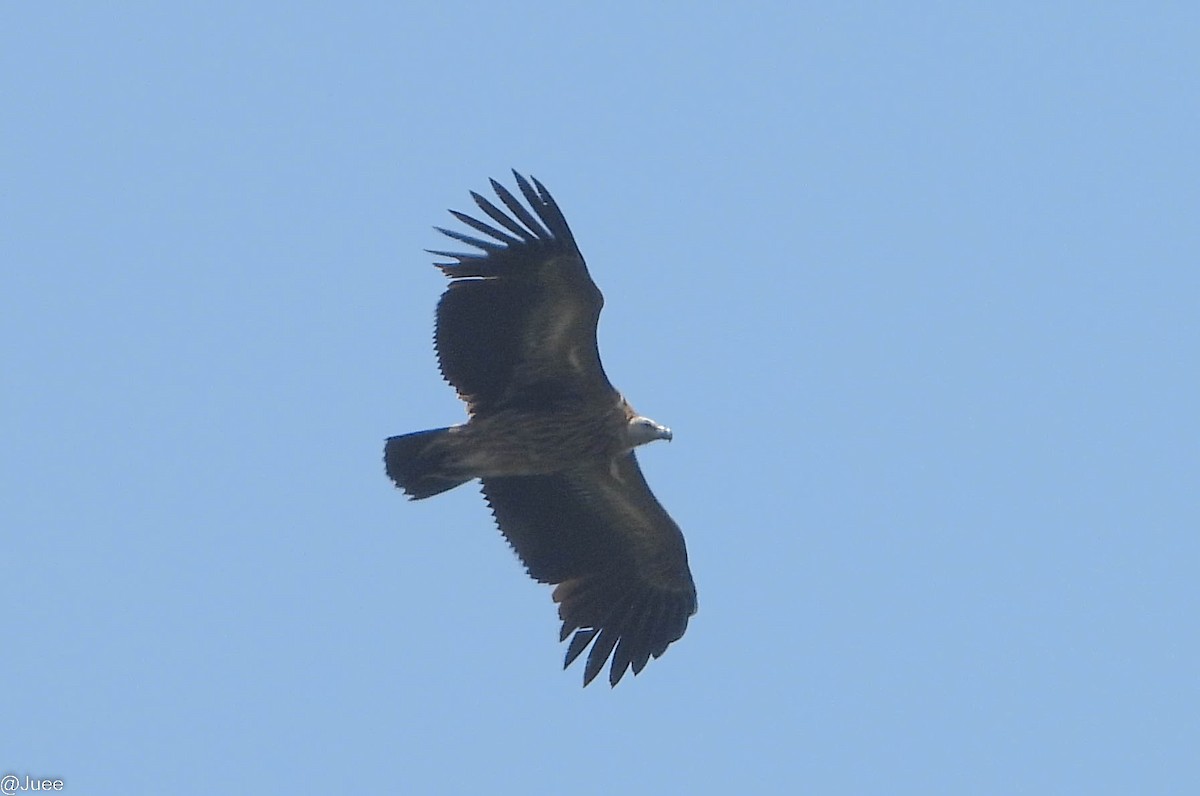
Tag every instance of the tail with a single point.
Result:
(419, 465)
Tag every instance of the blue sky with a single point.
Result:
(916, 289)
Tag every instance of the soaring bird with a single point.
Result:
(549, 437)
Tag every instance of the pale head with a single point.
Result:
(642, 430)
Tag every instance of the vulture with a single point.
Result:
(549, 437)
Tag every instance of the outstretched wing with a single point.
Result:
(618, 558)
(517, 325)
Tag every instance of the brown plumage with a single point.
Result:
(549, 437)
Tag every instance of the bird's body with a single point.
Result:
(550, 438)
(522, 441)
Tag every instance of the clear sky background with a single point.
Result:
(917, 289)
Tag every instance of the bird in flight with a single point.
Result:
(549, 437)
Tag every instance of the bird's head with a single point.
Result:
(642, 430)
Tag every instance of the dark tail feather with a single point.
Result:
(418, 465)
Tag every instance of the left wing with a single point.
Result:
(624, 586)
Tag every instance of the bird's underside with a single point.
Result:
(550, 438)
